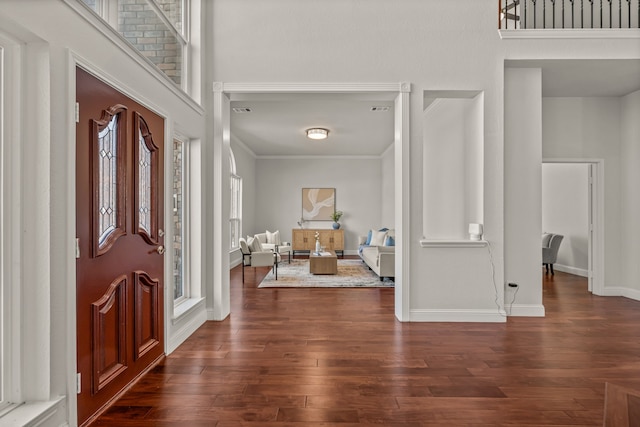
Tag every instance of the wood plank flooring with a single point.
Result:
(338, 357)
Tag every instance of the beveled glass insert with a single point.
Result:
(178, 194)
(108, 179)
(144, 185)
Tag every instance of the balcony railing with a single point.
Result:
(547, 14)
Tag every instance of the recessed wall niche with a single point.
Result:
(453, 163)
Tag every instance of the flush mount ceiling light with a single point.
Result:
(317, 133)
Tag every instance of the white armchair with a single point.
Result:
(271, 241)
(258, 258)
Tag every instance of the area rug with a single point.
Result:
(352, 273)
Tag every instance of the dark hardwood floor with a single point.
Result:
(325, 357)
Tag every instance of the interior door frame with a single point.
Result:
(596, 218)
(218, 157)
(74, 60)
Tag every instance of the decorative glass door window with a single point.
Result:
(145, 181)
(108, 203)
(144, 188)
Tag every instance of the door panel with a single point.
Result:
(119, 221)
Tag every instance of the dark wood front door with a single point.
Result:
(119, 199)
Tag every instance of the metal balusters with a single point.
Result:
(620, 24)
(525, 13)
(572, 14)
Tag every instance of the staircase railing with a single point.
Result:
(547, 14)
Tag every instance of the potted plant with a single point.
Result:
(335, 216)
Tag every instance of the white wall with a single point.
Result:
(589, 128)
(453, 167)
(630, 155)
(565, 211)
(522, 188)
(278, 194)
(388, 193)
(246, 168)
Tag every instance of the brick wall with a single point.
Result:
(140, 25)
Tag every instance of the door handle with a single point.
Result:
(160, 249)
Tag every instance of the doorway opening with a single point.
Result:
(583, 248)
(224, 94)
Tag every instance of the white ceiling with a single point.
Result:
(276, 124)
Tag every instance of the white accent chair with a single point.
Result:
(272, 242)
(258, 258)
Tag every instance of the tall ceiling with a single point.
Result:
(276, 123)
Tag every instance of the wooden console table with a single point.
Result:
(304, 240)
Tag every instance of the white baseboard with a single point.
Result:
(611, 291)
(571, 270)
(525, 310)
(444, 315)
(187, 329)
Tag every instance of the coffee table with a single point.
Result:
(323, 264)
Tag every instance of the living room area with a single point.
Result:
(280, 169)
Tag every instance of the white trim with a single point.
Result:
(426, 243)
(459, 315)
(34, 414)
(572, 33)
(313, 157)
(402, 195)
(616, 291)
(10, 221)
(525, 310)
(217, 205)
(221, 131)
(402, 87)
(192, 323)
(386, 151)
(571, 270)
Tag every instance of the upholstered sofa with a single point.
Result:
(377, 250)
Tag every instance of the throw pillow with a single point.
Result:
(274, 238)
(244, 247)
(377, 238)
(389, 241)
(368, 241)
(255, 245)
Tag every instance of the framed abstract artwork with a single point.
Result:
(318, 203)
